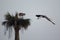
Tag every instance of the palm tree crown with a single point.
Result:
(10, 21)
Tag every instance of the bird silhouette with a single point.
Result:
(43, 16)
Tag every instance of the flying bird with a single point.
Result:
(43, 16)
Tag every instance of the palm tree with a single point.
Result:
(16, 23)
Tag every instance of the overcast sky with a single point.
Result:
(39, 29)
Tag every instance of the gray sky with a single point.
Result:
(39, 29)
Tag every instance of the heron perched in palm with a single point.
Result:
(21, 15)
(43, 16)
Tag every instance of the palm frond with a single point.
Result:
(23, 23)
(7, 23)
(8, 26)
(3, 23)
(8, 16)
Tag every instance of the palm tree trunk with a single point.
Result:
(16, 34)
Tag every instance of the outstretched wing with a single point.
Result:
(48, 19)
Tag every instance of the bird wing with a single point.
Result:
(48, 19)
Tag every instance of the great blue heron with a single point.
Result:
(43, 16)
